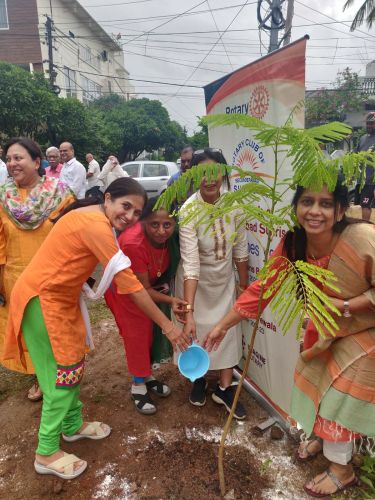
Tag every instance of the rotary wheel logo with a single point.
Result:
(259, 101)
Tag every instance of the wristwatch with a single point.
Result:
(346, 313)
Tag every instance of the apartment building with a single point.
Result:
(88, 62)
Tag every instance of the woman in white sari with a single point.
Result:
(206, 280)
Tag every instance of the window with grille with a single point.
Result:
(4, 23)
(90, 89)
(70, 82)
(90, 58)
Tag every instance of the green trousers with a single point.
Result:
(62, 409)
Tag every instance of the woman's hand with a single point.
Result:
(190, 328)
(213, 339)
(178, 308)
(178, 338)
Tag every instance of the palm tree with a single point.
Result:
(365, 13)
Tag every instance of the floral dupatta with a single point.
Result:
(43, 199)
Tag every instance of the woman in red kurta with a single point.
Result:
(147, 246)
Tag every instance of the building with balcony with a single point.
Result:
(87, 61)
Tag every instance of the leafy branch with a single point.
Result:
(295, 295)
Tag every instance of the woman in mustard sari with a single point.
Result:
(28, 200)
(333, 397)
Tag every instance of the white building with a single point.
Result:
(88, 62)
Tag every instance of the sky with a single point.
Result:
(191, 43)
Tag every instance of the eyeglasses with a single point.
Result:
(209, 150)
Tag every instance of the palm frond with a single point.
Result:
(295, 295)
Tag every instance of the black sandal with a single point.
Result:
(140, 400)
(157, 388)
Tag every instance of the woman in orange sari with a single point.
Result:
(334, 386)
(28, 202)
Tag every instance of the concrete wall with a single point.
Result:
(86, 50)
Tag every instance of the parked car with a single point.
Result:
(153, 175)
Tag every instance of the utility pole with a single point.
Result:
(51, 66)
(276, 20)
(288, 22)
(51, 73)
(271, 19)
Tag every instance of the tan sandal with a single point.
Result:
(35, 393)
(94, 430)
(66, 462)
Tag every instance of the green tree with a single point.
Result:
(72, 121)
(175, 141)
(199, 140)
(366, 13)
(137, 125)
(25, 102)
(327, 105)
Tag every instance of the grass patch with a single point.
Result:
(98, 311)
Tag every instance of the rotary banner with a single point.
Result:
(268, 89)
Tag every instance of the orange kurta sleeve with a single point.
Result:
(104, 247)
(247, 303)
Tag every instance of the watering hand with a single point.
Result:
(190, 327)
(213, 339)
(178, 308)
(178, 338)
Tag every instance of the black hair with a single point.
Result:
(124, 186)
(187, 147)
(215, 155)
(296, 241)
(32, 148)
(148, 209)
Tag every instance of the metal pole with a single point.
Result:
(288, 22)
(274, 32)
(51, 72)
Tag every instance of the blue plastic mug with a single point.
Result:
(194, 362)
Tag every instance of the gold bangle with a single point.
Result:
(189, 307)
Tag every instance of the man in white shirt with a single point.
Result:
(3, 168)
(93, 171)
(73, 172)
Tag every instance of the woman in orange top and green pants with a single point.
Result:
(45, 316)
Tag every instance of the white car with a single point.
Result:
(153, 175)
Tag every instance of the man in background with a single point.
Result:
(367, 143)
(186, 156)
(54, 165)
(93, 170)
(73, 172)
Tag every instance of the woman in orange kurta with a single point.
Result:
(27, 203)
(45, 314)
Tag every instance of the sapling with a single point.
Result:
(293, 290)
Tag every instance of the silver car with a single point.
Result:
(153, 175)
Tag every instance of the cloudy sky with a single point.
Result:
(190, 43)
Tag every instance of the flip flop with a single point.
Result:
(93, 430)
(339, 485)
(157, 388)
(310, 455)
(66, 462)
